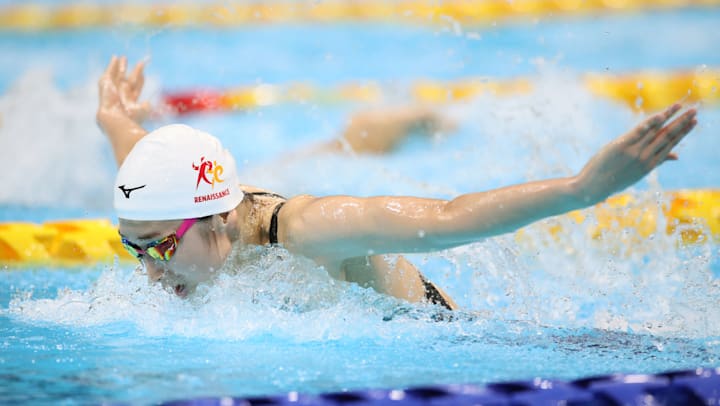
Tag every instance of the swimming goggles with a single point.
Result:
(161, 249)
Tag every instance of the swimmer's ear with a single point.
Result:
(224, 217)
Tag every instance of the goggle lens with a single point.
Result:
(164, 249)
(130, 247)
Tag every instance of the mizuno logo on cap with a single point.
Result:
(126, 192)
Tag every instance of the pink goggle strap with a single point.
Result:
(186, 224)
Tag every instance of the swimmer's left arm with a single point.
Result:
(343, 226)
(119, 111)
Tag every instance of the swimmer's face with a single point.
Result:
(198, 256)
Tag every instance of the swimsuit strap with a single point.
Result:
(265, 194)
(272, 232)
(274, 223)
(432, 294)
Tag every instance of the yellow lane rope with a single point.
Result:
(60, 243)
(233, 13)
(640, 91)
(692, 215)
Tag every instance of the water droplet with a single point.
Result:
(638, 102)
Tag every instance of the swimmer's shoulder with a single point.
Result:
(257, 192)
(275, 212)
(305, 221)
(262, 195)
(252, 190)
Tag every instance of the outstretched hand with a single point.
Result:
(119, 92)
(119, 113)
(632, 156)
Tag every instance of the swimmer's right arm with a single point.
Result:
(119, 111)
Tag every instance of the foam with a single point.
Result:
(657, 291)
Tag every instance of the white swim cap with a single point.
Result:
(176, 172)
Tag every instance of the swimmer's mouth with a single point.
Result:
(181, 290)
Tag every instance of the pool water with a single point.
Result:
(532, 306)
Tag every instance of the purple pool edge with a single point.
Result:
(700, 386)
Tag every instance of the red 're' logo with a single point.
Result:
(208, 172)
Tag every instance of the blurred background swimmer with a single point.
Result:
(183, 233)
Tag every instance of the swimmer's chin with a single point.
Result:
(180, 290)
(186, 291)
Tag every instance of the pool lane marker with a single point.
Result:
(60, 243)
(693, 216)
(450, 13)
(640, 91)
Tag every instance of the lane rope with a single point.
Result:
(692, 215)
(453, 13)
(640, 91)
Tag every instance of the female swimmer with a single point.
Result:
(181, 207)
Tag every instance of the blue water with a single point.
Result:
(532, 306)
(326, 53)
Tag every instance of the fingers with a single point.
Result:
(110, 71)
(672, 134)
(118, 89)
(136, 80)
(653, 124)
(115, 71)
(122, 68)
(674, 131)
(671, 157)
(646, 130)
(670, 111)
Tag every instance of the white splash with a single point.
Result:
(48, 138)
(55, 152)
(272, 292)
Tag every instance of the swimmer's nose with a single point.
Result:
(154, 272)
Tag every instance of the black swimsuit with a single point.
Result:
(432, 294)
(274, 223)
(272, 232)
